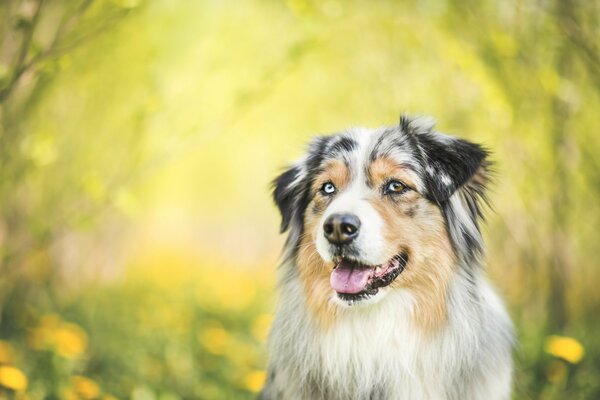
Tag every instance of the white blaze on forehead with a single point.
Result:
(353, 200)
(360, 158)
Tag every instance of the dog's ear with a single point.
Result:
(287, 191)
(291, 188)
(451, 164)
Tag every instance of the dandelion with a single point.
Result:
(255, 380)
(567, 348)
(70, 341)
(12, 378)
(85, 387)
(66, 339)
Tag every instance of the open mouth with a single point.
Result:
(355, 281)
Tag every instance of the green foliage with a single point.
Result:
(130, 128)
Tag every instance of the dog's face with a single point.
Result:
(373, 211)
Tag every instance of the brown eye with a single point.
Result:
(328, 189)
(395, 187)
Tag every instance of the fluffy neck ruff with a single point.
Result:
(374, 349)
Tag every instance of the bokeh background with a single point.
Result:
(138, 241)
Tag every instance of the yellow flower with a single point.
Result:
(12, 378)
(67, 339)
(70, 340)
(567, 348)
(85, 387)
(255, 380)
(5, 352)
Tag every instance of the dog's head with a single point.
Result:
(372, 211)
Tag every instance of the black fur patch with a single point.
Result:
(291, 189)
(342, 145)
(448, 163)
(285, 195)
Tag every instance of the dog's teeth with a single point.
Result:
(378, 270)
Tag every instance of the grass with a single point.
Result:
(171, 329)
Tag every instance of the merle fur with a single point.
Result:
(433, 155)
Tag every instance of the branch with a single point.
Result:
(20, 66)
(66, 21)
(56, 48)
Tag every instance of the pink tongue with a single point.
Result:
(345, 278)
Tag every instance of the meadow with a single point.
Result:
(138, 139)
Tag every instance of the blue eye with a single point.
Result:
(395, 187)
(328, 188)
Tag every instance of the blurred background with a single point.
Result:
(138, 241)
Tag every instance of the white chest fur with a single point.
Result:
(376, 352)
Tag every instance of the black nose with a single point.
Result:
(341, 228)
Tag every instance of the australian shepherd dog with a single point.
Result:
(382, 291)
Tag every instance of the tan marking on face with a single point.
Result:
(335, 171)
(385, 168)
(415, 225)
(314, 272)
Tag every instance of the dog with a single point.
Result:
(382, 290)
